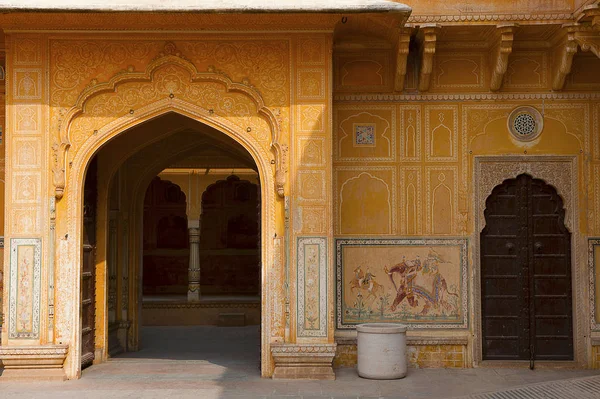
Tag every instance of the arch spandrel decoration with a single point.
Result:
(171, 77)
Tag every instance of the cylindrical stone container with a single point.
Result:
(381, 351)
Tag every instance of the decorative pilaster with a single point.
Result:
(194, 267)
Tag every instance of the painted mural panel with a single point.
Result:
(25, 278)
(420, 282)
(312, 286)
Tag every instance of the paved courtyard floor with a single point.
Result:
(220, 363)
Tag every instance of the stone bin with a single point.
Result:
(381, 350)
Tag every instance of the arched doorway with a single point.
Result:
(526, 274)
(146, 160)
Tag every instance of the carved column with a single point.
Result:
(194, 267)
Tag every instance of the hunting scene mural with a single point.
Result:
(417, 282)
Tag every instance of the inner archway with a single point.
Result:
(169, 142)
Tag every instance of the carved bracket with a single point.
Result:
(428, 37)
(589, 40)
(563, 57)
(59, 151)
(500, 52)
(591, 15)
(401, 57)
(281, 168)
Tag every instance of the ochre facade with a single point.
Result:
(377, 136)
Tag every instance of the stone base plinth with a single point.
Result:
(422, 352)
(42, 362)
(32, 375)
(303, 361)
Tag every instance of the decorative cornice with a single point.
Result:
(46, 351)
(591, 14)
(492, 18)
(303, 349)
(370, 97)
(414, 341)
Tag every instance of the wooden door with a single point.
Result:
(88, 273)
(526, 274)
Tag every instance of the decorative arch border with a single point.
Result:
(169, 56)
(69, 250)
(561, 172)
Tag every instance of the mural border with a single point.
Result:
(321, 331)
(464, 261)
(15, 243)
(592, 243)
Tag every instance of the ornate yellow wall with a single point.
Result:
(364, 132)
(408, 166)
(73, 93)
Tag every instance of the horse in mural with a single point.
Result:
(365, 281)
(421, 281)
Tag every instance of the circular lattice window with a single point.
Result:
(525, 123)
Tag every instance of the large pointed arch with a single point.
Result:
(69, 252)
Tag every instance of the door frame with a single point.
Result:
(561, 172)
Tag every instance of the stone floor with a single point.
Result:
(222, 362)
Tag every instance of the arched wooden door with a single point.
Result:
(88, 269)
(526, 274)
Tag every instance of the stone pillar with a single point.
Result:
(194, 267)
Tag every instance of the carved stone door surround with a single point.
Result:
(562, 173)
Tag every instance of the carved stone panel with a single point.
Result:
(312, 287)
